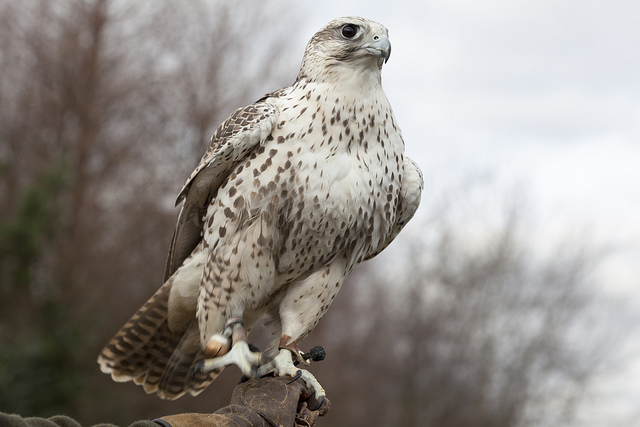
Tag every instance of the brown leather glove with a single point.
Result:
(270, 401)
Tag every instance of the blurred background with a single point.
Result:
(510, 300)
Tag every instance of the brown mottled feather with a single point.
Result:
(232, 141)
(146, 351)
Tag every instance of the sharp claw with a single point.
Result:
(320, 402)
(282, 365)
(298, 375)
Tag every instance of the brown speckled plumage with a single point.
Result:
(294, 191)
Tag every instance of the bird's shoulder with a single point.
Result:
(244, 130)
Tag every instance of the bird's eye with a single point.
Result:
(349, 31)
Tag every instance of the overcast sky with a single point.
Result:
(544, 94)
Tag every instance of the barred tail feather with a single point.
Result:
(147, 352)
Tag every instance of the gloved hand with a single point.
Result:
(264, 402)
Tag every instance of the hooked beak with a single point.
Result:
(379, 47)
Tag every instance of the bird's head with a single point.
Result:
(346, 45)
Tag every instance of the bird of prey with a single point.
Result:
(294, 191)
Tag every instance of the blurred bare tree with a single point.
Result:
(465, 324)
(105, 108)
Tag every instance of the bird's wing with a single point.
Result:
(408, 202)
(246, 129)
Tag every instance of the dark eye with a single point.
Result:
(349, 31)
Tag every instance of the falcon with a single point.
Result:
(293, 192)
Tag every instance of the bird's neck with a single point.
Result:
(347, 83)
(342, 75)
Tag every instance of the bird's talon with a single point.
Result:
(318, 403)
(283, 365)
(298, 375)
(239, 355)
